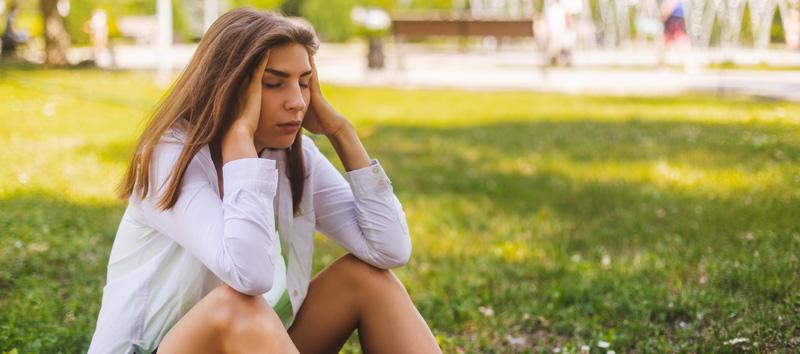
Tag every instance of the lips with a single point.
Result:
(290, 127)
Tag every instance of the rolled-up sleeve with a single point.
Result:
(362, 213)
(232, 236)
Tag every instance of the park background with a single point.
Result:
(633, 199)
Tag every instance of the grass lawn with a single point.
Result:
(538, 221)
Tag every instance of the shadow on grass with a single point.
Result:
(53, 257)
(461, 163)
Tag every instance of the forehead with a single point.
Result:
(289, 58)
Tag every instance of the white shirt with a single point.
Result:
(163, 262)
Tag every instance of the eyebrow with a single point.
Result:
(284, 74)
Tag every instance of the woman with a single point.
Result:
(213, 254)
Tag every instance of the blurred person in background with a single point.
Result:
(675, 36)
(97, 28)
(560, 31)
(12, 38)
(791, 27)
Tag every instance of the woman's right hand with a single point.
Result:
(250, 107)
(238, 140)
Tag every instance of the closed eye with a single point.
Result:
(279, 85)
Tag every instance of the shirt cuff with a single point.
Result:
(254, 173)
(369, 180)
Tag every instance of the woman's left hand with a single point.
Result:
(321, 117)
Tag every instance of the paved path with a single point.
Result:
(520, 68)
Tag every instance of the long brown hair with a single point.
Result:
(207, 95)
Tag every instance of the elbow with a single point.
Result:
(402, 253)
(399, 256)
(401, 259)
(252, 289)
(405, 253)
(245, 270)
(252, 284)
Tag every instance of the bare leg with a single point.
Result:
(350, 294)
(226, 322)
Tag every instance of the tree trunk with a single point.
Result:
(56, 38)
(375, 53)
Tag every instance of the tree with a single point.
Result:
(56, 38)
(291, 7)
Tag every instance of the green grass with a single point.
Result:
(652, 224)
(757, 66)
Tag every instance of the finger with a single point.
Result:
(313, 68)
(263, 64)
(259, 74)
(252, 104)
(314, 75)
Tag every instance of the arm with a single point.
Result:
(364, 216)
(349, 148)
(322, 118)
(233, 237)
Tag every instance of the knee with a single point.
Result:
(364, 276)
(238, 312)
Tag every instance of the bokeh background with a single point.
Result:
(579, 176)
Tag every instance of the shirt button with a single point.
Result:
(294, 292)
(375, 170)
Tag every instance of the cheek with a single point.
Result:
(268, 107)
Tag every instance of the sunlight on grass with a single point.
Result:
(660, 172)
(447, 108)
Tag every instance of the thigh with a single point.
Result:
(228, 321)
(329, 314)
(194, 332)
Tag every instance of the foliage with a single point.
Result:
(258, 4)
(331, 18)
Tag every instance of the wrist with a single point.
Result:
(237, 143)
(238, 130)
(349, 148)
(343, 131)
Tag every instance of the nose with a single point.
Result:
(295, 101)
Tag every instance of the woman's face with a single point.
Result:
(284, 96)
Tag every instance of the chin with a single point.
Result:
(281, 143)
